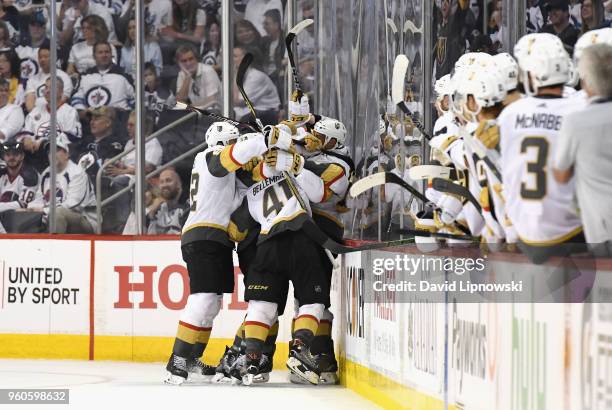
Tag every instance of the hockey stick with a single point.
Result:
(409, 26)
(295, 30)
(382, 178)
(420, 172)
(183, 106)
(240, 74)
(415, 120)
(436, 235)
(447, 186)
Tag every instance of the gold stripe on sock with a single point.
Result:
(188, 332)
(204, 335)
(307, 322)
(256, 330)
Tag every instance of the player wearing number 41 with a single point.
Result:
(206, 245)
(283, 247)
(543, 211)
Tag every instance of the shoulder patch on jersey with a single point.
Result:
(29, 175)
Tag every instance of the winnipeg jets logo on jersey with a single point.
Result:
(40, 91)
(29, 68)
(98, 97)
(59, 195)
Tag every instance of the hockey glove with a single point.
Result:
(488, 133)
(282, 161)
(312, 143)
(277, 138)
(251, 164)
(299, 111)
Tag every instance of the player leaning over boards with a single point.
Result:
(542, 211)
(206, 246)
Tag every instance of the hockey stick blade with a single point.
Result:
(392, 25)
(421, 172)
(447, 186)
(435, 235)
(411, 27)
(382, 178)
(400, 67)
(295, 30)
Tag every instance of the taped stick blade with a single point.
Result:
(421, 172)
(367, 183)
(392, 25)
(400, 67)
(295, 30)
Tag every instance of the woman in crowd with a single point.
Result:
(81, 54)
(273, 47)
(211, 47)
(152, 52)
(10, 71)
(593, 14)
(188, 22)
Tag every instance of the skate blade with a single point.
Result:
(200, 378)
(300, 370)
(261, 378)
(248, 379)
(174, 379)
(220, 378)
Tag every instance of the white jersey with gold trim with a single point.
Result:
(542, 211)
(213, 194)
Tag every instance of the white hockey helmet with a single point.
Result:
(509, 69)
(245, 137)
(330, 129)
(221, 133)
(542, 57)
(442, 87)
(472, 59)
(590, 38)
(484, 84)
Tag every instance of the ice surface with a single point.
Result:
(127, 385)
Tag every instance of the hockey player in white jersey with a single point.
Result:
(445, 131)
(75, 197)
(600, 36)
(206, 245)
(542, 211)
(282, 207)
(18, 181)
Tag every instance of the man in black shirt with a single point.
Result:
(558, 13)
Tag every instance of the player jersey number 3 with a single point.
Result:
(536, 188)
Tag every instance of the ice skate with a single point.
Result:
(302, 364)
(222, 372)
(177, 370)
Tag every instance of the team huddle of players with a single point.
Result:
(499, 131)
(259, 190)
(496, 138)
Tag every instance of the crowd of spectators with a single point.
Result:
(463, 26)
(95, 90)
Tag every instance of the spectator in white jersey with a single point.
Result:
(18, 182)
(261, 91)
(11, 115)
(196, 83)
(35, 88)
(37, 122)
(171, 213)
(75, 198)
(256, 9)
(104, 85)
(585, 152)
